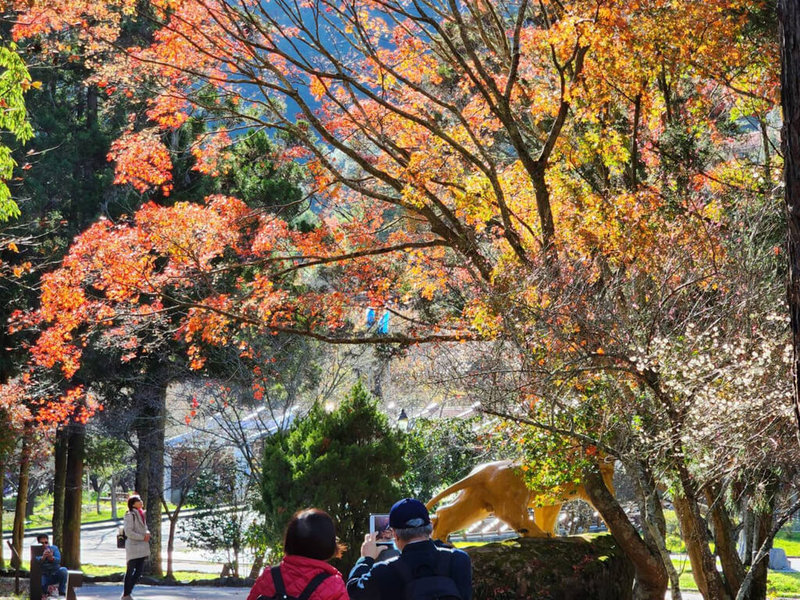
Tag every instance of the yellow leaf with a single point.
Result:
(13, 247)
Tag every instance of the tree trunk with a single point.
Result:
(142, 483)
(173, 521)
(758, 587)
(91, 106)
(789, 19)
(150, 459)
(695, 536)
(2, 487)
(73, 497)
(156, 487)
(724, 542)
(766, 145)
(651, 575)
(18, 531)
(98, 492)
(258, 564)
(763, 520)
(543, 206)
(59, 485)
(654, 524)
(633, 173)
(30, 504)
(114, 497)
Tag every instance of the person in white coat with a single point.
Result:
(137, 544)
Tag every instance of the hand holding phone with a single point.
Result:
(370, 547)
(379, 526)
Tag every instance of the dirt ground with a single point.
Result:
(7, 588)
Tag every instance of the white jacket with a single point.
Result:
(135, 529)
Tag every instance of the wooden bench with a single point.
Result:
(74, 578)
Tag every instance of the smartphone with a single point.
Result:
(379, 523)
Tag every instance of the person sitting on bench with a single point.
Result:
(52, 571)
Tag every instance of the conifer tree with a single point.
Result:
(346, 462)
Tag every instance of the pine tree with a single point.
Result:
(346, 462)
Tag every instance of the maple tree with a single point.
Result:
(66, 184)
(29, 242)
(137, 387)
(553, 174)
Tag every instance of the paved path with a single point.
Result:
(99, 547)
(112, 591)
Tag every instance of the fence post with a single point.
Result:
(17, 562)
(36, 572)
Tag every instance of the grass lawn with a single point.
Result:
(786, 539)
(101, 570)
(44, 519)
(7, 583)
(185, 576)
(43, 513)
(779, 583)
(789, 541)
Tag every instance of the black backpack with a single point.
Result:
(433, 585)
(280, 589)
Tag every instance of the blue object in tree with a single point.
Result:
(370, 317)
(383, 324)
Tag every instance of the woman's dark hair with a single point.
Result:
(133, 498)
(311, 533)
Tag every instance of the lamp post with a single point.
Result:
(402, 420)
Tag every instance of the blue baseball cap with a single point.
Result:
(408, 513)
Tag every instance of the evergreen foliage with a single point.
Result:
(252, 174)
(438, 454)
(346, 462)
(14, 81)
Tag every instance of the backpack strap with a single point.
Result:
(312, 585)
(277, 580)
(280, 588)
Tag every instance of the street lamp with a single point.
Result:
(402, 420)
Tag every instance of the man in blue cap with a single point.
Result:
(423, 570)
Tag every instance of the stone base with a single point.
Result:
(569, 568)
(778, 560)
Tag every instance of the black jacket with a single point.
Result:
(381, 581)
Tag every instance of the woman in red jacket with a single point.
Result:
(309, 542)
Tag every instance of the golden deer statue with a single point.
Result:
(498, 489)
